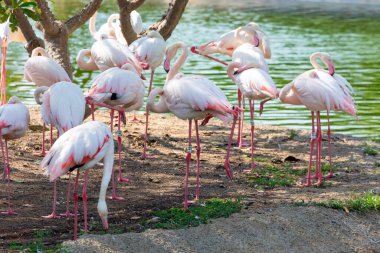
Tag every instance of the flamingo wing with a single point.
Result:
(256, 83)
(77, 148)
(14, 118)
(149, 50)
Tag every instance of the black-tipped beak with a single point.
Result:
(194, 50)
(167, 65)
(236, 72)
(142, 77)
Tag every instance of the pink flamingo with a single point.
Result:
(62, 106)
(189, 97)
(254, 83)
(14, 121)
(4, 40)
(118, 87)
(320, 90)
(150, 50)
(43, 71)
(81, 148)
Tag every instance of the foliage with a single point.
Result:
(368, 150)
(177, 218)
(361, 203)
(28, 7)
(293, 134)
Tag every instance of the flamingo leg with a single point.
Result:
(252, 112)
(67, 213)
(331, 174)
(195, 51)
(112, 115)
(75, 195)
(188, 158)
(319, 149)
(84, 197)
(240, 143)
(54, 214)
(3, 72)
(134, 118)
(114, 196)
(51, 136)
(92, 111)
(119, 146)
(7, 174)
(198, 158)
(312, 140)
(144, 154)
(227, 161)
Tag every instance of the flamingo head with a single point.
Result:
(326, 58)
(4, 33)
(208, 48)
(169, 55)
(103, 213)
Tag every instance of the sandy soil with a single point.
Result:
(271, 222)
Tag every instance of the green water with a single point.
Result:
(349, 32)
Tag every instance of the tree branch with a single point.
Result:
(48, 20)
(170, 20)
(27, 30)
(81, 17)
(125, 9)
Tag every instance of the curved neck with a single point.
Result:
(39, 51)
(107, 172)
(250, 31)
(284, 91)
(231, 69)
(38, 94)
(179, 62)
(325, 59)
(111, 19)
(91, 24)
(82, 63)
(129, 67)
(160, 106)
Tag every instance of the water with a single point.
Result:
(348, 30)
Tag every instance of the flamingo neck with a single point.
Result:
(179, 62)
(39, 51)
(91, 25)
(327, 62)
(38, 94)
(160, 106)
(82, 63)
(284, 92)
(231, 69)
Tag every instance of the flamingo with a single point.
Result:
(118, 87)
(320, 90)
(14, 121)
(253, 83)
(189, 97)
(229, 41)
(62, 106)
(4, 40)
(150, 50)
(112, 29)
(105, 54)
(42, 70)
(81, 148)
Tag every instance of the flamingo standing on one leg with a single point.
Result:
(189, 97)
(150, 50)
(118, 87)
(81, 148)
(14, 121)
(62, 106)
(254, 83)
(42, 70)
(319, 90)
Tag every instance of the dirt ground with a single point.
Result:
(158, 183)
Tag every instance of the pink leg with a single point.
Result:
(120, 178)
(112, 115)
(319, 149)
(198, 161)
(240, 143)
(92, 111)
(3, 72)
(312, 140)
(76, 206)
(67, 213)
(84, 197)
(188, 158)
(331, 174)
(227, 161)
(51, 136)
(54, 215)
(252, 111)
(144, 154)
(7, 173)
(114, 196)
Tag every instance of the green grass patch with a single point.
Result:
(368, 150)
(177, 218)
(361, 203)
(273, 176)
(293, 134)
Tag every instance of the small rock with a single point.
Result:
(291, 159)
(154, 180)
(135, 218)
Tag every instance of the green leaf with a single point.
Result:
(28, 5)
(33, 15)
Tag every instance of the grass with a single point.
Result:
(178, 218)
(368, 150)
(272, 176)
(292, 134)
(360, 203)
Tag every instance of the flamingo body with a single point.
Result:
(248, 54)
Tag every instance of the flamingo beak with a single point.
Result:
(256, 41)
(167, 65)
(144, 66)
(142, 76)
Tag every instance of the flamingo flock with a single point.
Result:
(120, 87)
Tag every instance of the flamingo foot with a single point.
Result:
(330, 175)
(308, 184)
(247, 171)
(145, 156)
(53, 215)
(194, 201)
(228, 169)
(135, 119)
(9, 212)
(122, 179)
(114, 197)
(66, 214)
(242, 145)
(41, 153)
(319, 183)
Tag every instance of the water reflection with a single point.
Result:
(349, 32)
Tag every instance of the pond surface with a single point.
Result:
(348, 30)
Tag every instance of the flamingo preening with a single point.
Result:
(62, 106)
(81, 148)
(319, 90)
(14, 121)
(189, 97)
(121, 89)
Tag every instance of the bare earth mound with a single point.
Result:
(271, 223)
